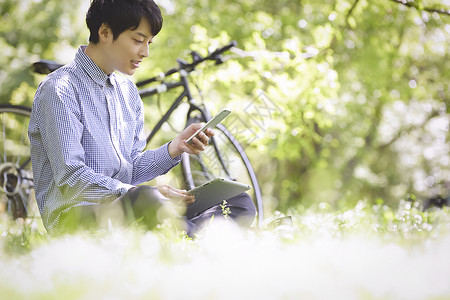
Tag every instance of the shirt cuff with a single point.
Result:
(163, 158)
(123, 188)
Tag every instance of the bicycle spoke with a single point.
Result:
(24, 165)
(4, 139)
(22, 140)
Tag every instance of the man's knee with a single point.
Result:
(146, 194)
(242, 209)
(76, 218)
(146, 203)
(143, 202)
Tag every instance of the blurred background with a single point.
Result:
(334, 101)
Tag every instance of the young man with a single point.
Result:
(86, 132)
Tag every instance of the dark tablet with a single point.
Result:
(212, 193)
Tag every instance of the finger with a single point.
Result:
(195, 126)
(203, 138)
(192, 129)
(182, 192)
(189, 199)
(172, 188)
(175, 194)
(209, 132)
(199, 144)
(164, 195)
(185, 147)
(181, 199)
(195, 148)
(162, 189)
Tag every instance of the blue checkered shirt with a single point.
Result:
(87, 139)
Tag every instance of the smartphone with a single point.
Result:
(211, 124)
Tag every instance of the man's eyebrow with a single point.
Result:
(143, 35)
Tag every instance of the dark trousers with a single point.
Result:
(147, 204)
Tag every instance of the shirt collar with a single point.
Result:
(91, 68)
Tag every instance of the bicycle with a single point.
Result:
(16, 177)
(225, 157)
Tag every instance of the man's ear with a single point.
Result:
(105, 32)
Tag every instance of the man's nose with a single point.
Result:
(144, 51)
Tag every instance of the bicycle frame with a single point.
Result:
(183, 69)
(186, 93)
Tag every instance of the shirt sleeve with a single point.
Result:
(61, 132)
(149, 164)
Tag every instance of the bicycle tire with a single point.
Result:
(16, 177)
(200, 168)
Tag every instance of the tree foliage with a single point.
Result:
(339, 100)
(30, 30)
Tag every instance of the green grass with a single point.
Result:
(365, 252)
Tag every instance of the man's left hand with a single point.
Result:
(178, 197)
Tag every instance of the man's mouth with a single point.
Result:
(136, 63)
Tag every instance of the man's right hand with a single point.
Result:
(179, 144)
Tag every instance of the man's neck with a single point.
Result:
(95, 53)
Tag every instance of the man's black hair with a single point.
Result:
(121, 15)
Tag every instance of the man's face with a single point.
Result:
(129, 49)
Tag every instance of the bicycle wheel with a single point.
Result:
(16, 180)
(224, 157)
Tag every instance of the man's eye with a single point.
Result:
(138, 41)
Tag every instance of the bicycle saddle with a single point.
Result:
(44, 66)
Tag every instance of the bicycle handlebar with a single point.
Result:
(160, 88)
(189, 67)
